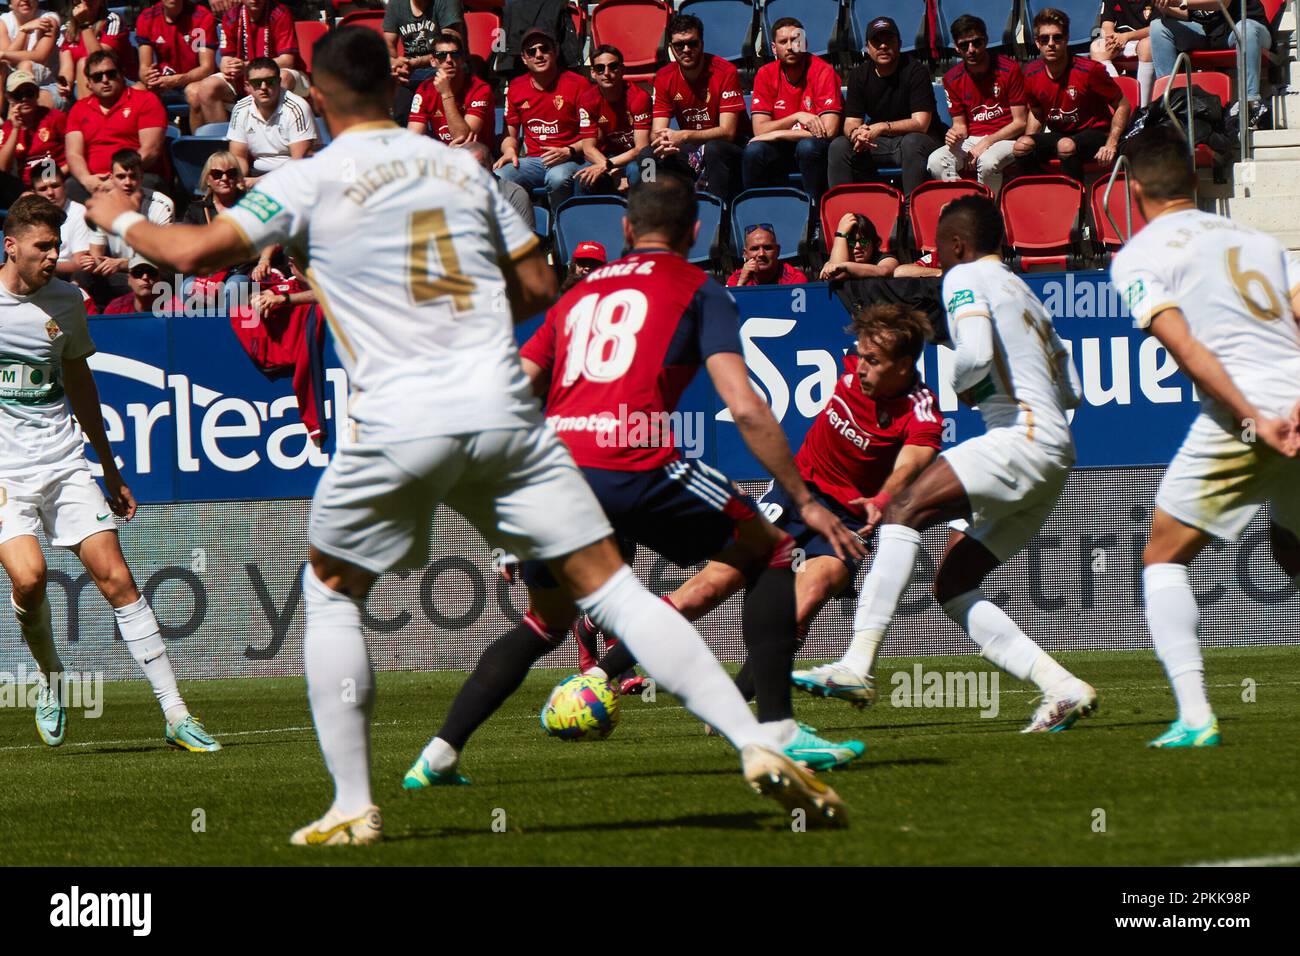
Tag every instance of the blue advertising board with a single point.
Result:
(191, 419)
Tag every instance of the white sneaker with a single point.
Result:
(774, 775)
(1058, 712)
(838, 682)
(335, 829)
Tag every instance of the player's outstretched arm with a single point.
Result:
(1207, 372)
(911, 461)
(83, 397)
(764, 437)
(187, 249)
(530, 285)
(972, 339)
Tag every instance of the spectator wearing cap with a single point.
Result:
(74, 234)
(177, 45)
(249, 30)
(548, 112)
(142, 276)
(29, 38)
(622, 123)
(411, 28)
(763, 265)
(586, 256)
(702, 92)
(453, 105)
(111, 252)
(855, 252)
(114, 117)
(516, 195)
(796, 112)
(889, 115)
(271, 125)
(32, 136)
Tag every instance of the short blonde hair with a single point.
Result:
(221, 155)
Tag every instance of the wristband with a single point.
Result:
(881, 501)
(124, 222)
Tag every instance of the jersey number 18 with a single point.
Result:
(602, 335)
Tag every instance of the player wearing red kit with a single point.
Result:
(613, 357)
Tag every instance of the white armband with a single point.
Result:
(124, 222)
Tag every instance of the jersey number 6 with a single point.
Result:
(1245, 284)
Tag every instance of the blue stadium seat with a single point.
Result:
(941, 104)
(729, 27)
(909, 15)
(323, 132)
(820, 19)
(708, 241)
(171, 132)
(1000, 16)
(189, 153)
(213, 129)
(541, 221)
(589, 219)
(1083, 14)
(788, 210)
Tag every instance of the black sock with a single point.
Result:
(500, 671)
(768, 621)
(745, 680)
(616, 660)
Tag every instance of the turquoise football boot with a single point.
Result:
(1180, 735)
(422, 775)
(51, 717)
(190, 735)
(818, 753)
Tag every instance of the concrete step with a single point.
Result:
(1271, 138)
(1274, 154)
(1279, 178)
(1271, 213)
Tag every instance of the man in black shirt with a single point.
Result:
(889, 115)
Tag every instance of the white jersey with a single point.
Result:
(37, 332)
(268, 140)
(1232, 284)
(405, 238)
(1032, 381)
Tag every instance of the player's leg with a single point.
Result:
(20, 554)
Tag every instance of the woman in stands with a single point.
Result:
(856, 254)
(91, 27)
(222, 182)
(28, 36)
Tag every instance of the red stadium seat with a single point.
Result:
(308, 32)
(638, 28)
(927, 202)
(364, 18)
(1103, 231)
(1041, 216)
(1129, 87)
(880, 203)
(483, 27)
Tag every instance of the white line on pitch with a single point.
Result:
(1290, 859)
(149, 740)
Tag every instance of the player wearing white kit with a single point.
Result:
(45, 480)
(1218, 296)
(413, 257)
(999, 487)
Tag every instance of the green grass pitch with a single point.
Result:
(937, 786)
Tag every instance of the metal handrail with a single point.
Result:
(1182, 61)
(1238, 29)
(1121, 164)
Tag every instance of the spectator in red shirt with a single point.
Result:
(143, 278)
(703, 93)
(549, 110)
(1077, 112)
(249, 30)
(113, 117)
(89, 29)
(986, 96)
(453, 105)
(796, 112)
(178, 48)
(31, 135)
(763, 264)
(622, 123)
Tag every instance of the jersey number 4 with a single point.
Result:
(602, 335)
(427, 279)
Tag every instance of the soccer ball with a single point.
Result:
(581, 708)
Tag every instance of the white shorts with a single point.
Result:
(1012, 484)
(66, 502)
(1217, 482)
(518, 486)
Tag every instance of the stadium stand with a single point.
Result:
(639, 29)
(1042, 218)
(730, 29)
(707, 247)
(188, 155)
(787, 209)
(880, 203)
(1000, 18)
(589, 219)
(927, 201)
(821, 20)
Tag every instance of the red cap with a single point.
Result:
(590, 250)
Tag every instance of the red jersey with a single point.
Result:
(1081, 99)
(119, 128)
(789, 276)
(175, 45)
(621, 347)
(122, 305)
(851, 448)
(111, 33)
(698, 105)
(818, 93)
(616, 122)
(556, 116)
(39, 143)
(985, 102)
(477, 100)
(272, 34)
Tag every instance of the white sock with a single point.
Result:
(673, 653)
(1110, 67)
(340, 686)
(38, 632)
(782, 731)
(1172, 616)
(1146, 80)
(891, 570)
(596, 672)
(441, 755)
(1003, 643)
(144, 640)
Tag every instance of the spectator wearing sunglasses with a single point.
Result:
(702, 92)
(32, 136)
(986, 96)
(453, 105)
(548, 113)
(621, 116)
(113, 118)
(411, 29)
(222, 185)
(855, 253)
(763, 265)
(271, 125)
(1077, 112)
(142, 277)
